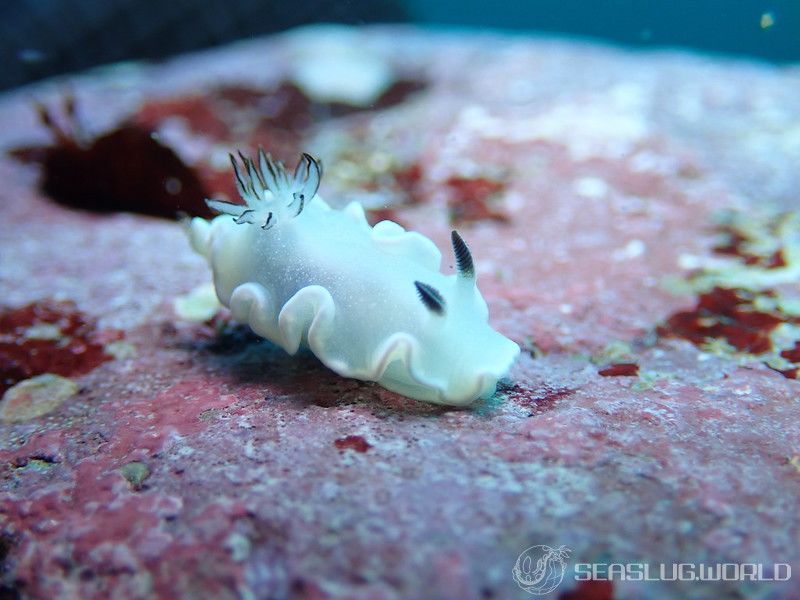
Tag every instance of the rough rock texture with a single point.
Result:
(203, 462)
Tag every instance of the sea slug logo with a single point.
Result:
(540, 569)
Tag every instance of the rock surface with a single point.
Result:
(197, 461)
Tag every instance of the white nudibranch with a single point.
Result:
(370, 302)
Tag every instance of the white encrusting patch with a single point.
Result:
(333, 64)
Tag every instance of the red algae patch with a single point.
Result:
(352, 442)
(226, 113)
(397, 93)
(235, 116)
(126, 169)
(788, 373)
(49, 337)
(738, 244)
(725, 314)
(470, 199)
(746, 302)
(278, 118)
(729, 319)
(792, 354)
(620, 370)
(408, 179)
(196, 111)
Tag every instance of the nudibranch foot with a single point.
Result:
(369, 302)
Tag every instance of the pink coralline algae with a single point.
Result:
(638, 425)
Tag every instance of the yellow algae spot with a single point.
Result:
(201, 304)
(764, 235)
(35, 397)
(717, 346)
(778, 363)
(649, 379)
(135, 472)
(795, 462)
(789, 306)
(767, 20)
(785, 335)
(43, 331)
(120, 350)
(614, 352)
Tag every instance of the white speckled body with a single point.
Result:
(327, 280)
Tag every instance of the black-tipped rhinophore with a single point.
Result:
(430, 297)
(464, 264)
(240, 187)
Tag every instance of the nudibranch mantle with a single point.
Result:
(370, 302)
